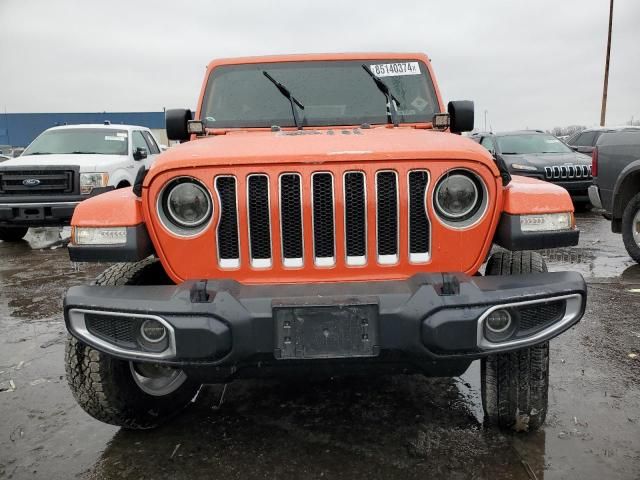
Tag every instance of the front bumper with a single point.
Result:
(426, 319)
(32, 211)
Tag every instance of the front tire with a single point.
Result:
(13, 234)
(127, 394)
(631, 228)
(515, 385)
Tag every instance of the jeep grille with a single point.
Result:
(568, 172)
(318, 190)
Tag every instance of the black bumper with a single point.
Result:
(509, 235)
(578, 189)
(33, 211)
(430, 319)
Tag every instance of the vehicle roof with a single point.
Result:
(99, 125)
(310, 57)
(514, 132)
(611, 129)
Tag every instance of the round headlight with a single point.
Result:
(186, 204)
(458, 196)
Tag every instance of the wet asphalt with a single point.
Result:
(375, 428)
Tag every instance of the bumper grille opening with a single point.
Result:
(355, 218)
(323, 219)
(387, 206)
(419, 227)
(259, 221)
(117, 330)
(538, 316)
(291, 219)
(228, 245)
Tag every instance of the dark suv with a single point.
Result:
(616, 188)
(586, 140)
(534, 153)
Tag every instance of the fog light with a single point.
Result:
(498, 321)
(153, 331)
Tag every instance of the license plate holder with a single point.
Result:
(31, 213)
(343, 330)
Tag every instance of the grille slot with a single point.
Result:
(291, 219)
(355, 218)
(259, 221)
(228, 244)
(118, 330)
(387, 216)
(419, 227)
(50, 182)
(323, 219)
(538, 316)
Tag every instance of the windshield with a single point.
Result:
(101, 141)
(331, 92)
(533, 143)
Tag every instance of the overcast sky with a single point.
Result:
(529, 63)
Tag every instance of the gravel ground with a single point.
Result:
(393, 427)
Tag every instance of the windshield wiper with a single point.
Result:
(40, 153)
(85, 153)
(391, 99)
(287, 94)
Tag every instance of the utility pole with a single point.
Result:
(603, 112)
(485, 120)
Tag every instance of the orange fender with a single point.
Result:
(529, 195)
(118, 208)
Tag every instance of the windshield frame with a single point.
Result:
(360, 57)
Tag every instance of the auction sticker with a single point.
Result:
(112, 138)
(395, 69)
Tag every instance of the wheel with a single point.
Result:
(127, 394)
(13, 234)
(515, 385)
(631, 228)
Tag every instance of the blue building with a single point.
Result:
(19, 129)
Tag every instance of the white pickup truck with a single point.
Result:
(65, 165)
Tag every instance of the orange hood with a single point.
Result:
(320, 146)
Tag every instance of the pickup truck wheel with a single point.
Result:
(631, 228)
(127, 394)
(515, 385)
(13, 234)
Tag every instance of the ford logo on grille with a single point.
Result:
(30, 182)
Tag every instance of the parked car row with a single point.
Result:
(65, 165)
(598, 166)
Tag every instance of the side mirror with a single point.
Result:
(573, 147)
(176, 121)
(163, 148)
(139, 153)
(461, 114)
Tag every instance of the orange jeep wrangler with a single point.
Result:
(322, 214)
